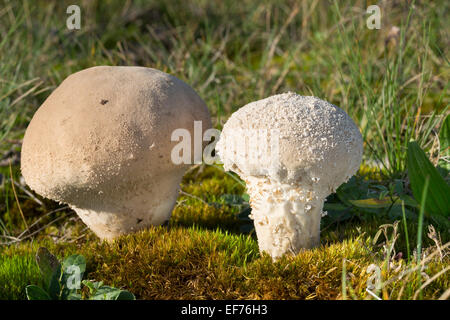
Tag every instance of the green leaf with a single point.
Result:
(441, 221)
(106, 293)
(372, 203)
(385, 202)
(409, 201)
(93, 286)
(444, 141)
(36, 293)
(47, 263)
(396, 212)
(444, 134)
(419, 168)
(51, 271)
(110, 293)
(74, 296)
(352, 189)
(75, 261)
(397, 186)
(126, 295)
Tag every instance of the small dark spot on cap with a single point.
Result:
(139, 220)
(161, 156)
(104, 101)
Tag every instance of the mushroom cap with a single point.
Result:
(306, 140)
(104, 136)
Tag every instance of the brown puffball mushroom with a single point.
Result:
(292, 151)
(101, 143)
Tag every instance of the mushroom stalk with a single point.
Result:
(286, 217)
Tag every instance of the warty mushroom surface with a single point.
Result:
(292, 151)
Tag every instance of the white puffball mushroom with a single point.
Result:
(101, 143)
(292, 151)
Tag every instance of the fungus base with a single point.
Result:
(286, 217)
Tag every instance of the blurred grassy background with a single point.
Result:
(234, 52)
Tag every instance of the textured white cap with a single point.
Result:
(308, 141)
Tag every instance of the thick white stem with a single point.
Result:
(286, 217)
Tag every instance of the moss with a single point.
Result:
(203, 200)
(194, 263)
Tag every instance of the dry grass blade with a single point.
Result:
(445, 295)
(437, 275)
(229, 174)
(18, 185)
(432, 234)
(275, 41)
(35, 232)
(193, 197)
(42, 217)
(17, 199)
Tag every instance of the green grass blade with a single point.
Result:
(444, 134)
(406, 232)
(420, 229)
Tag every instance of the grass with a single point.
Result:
(16, 272)
(395, 87)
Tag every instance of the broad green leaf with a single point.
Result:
(441, 221)
(126, 295)
(396, 213)
(419, 168)
(398, 186)
(444, 134)
(372, 203)
(409, 201)
(352, 189)
(92, 285)
(106, 293)
(51, 271)
(47, 262)
(36, 293)
(384, 202)
(75, 260)
(444, 141)
(110, 293)
(74, 296)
